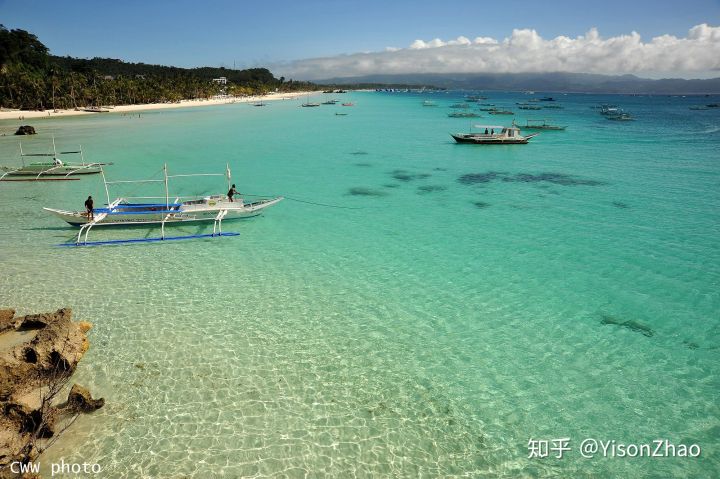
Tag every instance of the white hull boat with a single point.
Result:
(122, 212)
(55, 169)
(162, 211)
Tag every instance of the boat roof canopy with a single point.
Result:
(494, 127)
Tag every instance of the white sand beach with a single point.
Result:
(29, 114)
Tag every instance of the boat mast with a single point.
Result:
(167, 193)
(227, 173)
(22, 156)
(107, 192)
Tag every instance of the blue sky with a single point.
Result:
(255, 33)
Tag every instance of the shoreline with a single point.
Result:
(22, 115)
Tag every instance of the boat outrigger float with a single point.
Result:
(163, 211)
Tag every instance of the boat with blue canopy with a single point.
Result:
(165, 210)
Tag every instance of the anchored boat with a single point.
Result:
(541, 125)
(124, 211)
(494, 135)
(55, 169)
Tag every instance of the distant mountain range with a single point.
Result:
(550, 82)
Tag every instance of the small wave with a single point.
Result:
(712, 129)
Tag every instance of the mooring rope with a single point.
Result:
(314, 203)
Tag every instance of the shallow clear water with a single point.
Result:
(452, 303)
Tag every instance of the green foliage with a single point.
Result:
(30, 79)
(19, 46)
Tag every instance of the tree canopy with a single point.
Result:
(31, 78)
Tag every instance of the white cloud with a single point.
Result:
(526, 51)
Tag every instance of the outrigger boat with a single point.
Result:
(124, 211)
(463, 114)
(541, 125)
(494, 135)
(50, 170)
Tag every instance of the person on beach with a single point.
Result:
(232, 192)
(89, 208)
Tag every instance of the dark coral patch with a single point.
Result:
(481, 204)
(423, 190)
(475, 178)
(402, 175)
(553, 178)
(631, 324)
(621, 205)
(361, 191)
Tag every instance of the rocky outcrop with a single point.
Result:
(25, 130)
(38, 355)
(7, 319)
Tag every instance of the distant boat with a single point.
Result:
(96, 109)
(553, 107)
(330, 102)
(610, 110)
(620, 117)
(463, 114)
(429, 103)
(460, 105)
(541, 125)
(547, 98)
(309, 104)
(348, 104)
(507, 135)
(699, 107)
(713, 105)
(340, 114)
(501, 112)
(529, 107)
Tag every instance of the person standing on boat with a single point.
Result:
(89, 208)
(232, 192)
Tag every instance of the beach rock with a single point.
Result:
(7, 319)
(32, 374)
(25, 130)
(80, 400)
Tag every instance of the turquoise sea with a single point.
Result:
(440, 308)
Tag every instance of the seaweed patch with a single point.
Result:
(391, 185)
(475, 178)
(361, 191)
(552, 178)
(630, 324)
(422, 190)
(359, 153)
(402, 175)
(481, 204)
(555, 178)
(621, 205)
(363, 164)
